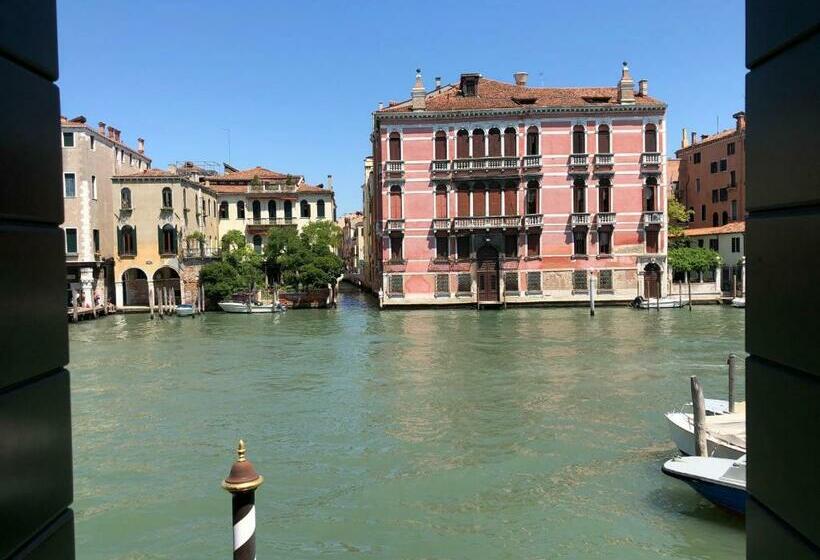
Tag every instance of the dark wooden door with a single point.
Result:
(487, 274)
(652, 282)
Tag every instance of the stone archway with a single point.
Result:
(135, 287)
(652, 281)
(487, 274)
(167, 277)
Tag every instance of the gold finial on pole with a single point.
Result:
(240, 451)
(243, 477)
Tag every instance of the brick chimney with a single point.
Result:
(643, 88)
(117, 134)
(740, 118)
(418, 94)
(694, 138)
(626, 87)
(683, 139)
(141, 145)
(520, 78)
(101, 128)
(330, 182)
(110, 132)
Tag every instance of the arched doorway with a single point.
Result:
(167, 277)
(652, 281)
(134, 287)
(487, 273)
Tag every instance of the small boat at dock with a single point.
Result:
(725, 432)
(185, 310)
(249, 307)
(669, 302)
(721, 481)
(739, 302)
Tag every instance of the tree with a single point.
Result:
(305, 260)
(692, 259)
(238, 270)
(678, 218)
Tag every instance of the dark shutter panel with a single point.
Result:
(119, 241)
(176, 239)
(134, 240)
(159, 240)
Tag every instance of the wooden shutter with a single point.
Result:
(463, 196)
(478, 202)
(509, 142)
(495, 143)
(134, 240)
(603, 140)
(510, 206)
(495, 202)
(441, 204)
(159, 240)
(441, 145)
(119, 241)
(478, 143)
(395, 205)
(462, 145)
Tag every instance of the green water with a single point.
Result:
(430, 434)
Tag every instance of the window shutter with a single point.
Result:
(176, 237)
(134, 239)
(119, 241)
(159, 240)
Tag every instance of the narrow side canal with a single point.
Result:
(521, 434)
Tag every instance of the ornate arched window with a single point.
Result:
(271, 210)
(256, 208)
(532, 197)
(167, 198)
(494, 143)
(650, 139)
(579, 197)
(223, 210)
(510, 148)
(304, 209)
(533, 147)
(604, 195)
(478, 143)
(462, 144)
(650, 194)
(127, 241)
(320, 208)
(125, 198)
(167, 240)
(240, 210)
(579, 144)
(440, 145)
(394, 141)
(288, 209)
(604, 144)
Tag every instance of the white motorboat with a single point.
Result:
(725, 433)
(185, 310)
(739, 302)
(721, 481)
(670, 302)
(242, 307)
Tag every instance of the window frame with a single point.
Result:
(73, 140)
(73, 185)
(68, 251)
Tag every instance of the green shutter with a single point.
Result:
(134, 239)
(119, 241)
(159, 240)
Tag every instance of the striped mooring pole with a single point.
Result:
(242, 482)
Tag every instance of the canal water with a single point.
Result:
(428, 434)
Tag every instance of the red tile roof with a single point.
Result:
(493, 94)
(149, 173)
(249, 174)
(732, 227)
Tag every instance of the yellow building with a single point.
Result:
(166, 226)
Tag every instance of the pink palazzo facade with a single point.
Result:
(496, 193)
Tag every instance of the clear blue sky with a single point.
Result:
(296, 82)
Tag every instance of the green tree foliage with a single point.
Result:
(238, 270)
(693, 259)
(306, 260)
(678, 218)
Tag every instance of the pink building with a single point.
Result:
(489, 192)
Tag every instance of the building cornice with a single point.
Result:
(472, 113)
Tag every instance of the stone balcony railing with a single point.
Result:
(394, 225)
(394, 166)
(580, 219)
(578, 160)
(441, 165)
(533, 220)
(604, 160)
(270, 221)
(531, 161)
(441, 224)
(271, 188)
(606, 218)
(650, 158)
(653, 218)
(486, 222)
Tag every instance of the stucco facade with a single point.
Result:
(496, 193)
(156, 214)
(90, 158)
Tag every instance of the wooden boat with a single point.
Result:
(721, 481)
(725, 433)
(242, 307)
(185, 310)
(739, 302)
(669, 302)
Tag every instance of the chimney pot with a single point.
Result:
(381, 105)
(626, 91)
(740, 118)
(643, 88)
(520, 78)
(330, 182)
(418, 94)
(141, 145)
(101, 128)
(694, 138)
(704, 136)
(683, 138)
(438, 82)
(110, 131)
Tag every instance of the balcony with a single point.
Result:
(441, 224)
(604, 160)
(394, 167)
(271, 188)
(487, 166)
(529, 162)
(201, 253)
(579, 163)
(533, 221)
(606, 218)
(264, 223)
(580, 219)
(651, 162)
(394, 226)
(441, 165)
(652, 218)
(487, 222)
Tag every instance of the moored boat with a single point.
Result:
(725, 433)
(721, 481)
(243, 307)
(185, 310)
(670, 302)
(739, 302)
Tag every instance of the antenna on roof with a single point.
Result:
(718, 123)
(541, 75)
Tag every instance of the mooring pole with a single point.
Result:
(591, 295)
(699, 417)
(202, 298)
(151, 293)
(242, 482)
(731, 362)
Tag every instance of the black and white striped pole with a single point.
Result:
(242, 482)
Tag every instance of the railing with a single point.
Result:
(461, 164)
(651, 158)
(202, 253)
(486, 222)
(441, 224)
(531, 161)
(606, 218)
(395, 166)
(441, 165)
(578, 160)
(580, 219)
(653, 217)
(270, 221)
(277, 187)
(603, 159)
(533, 220)
(395, 225)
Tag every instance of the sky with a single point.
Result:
(294, 83)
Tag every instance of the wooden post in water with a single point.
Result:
(151, 293)
(699, 417)
(160, 302)
(242, 482)
(731, 362)
(74, 306)
(591, 295)
(201, 298)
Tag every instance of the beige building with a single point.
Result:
(90, 158)
(255, 200)
(367, 239)
(166, 226)
(352, 244)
